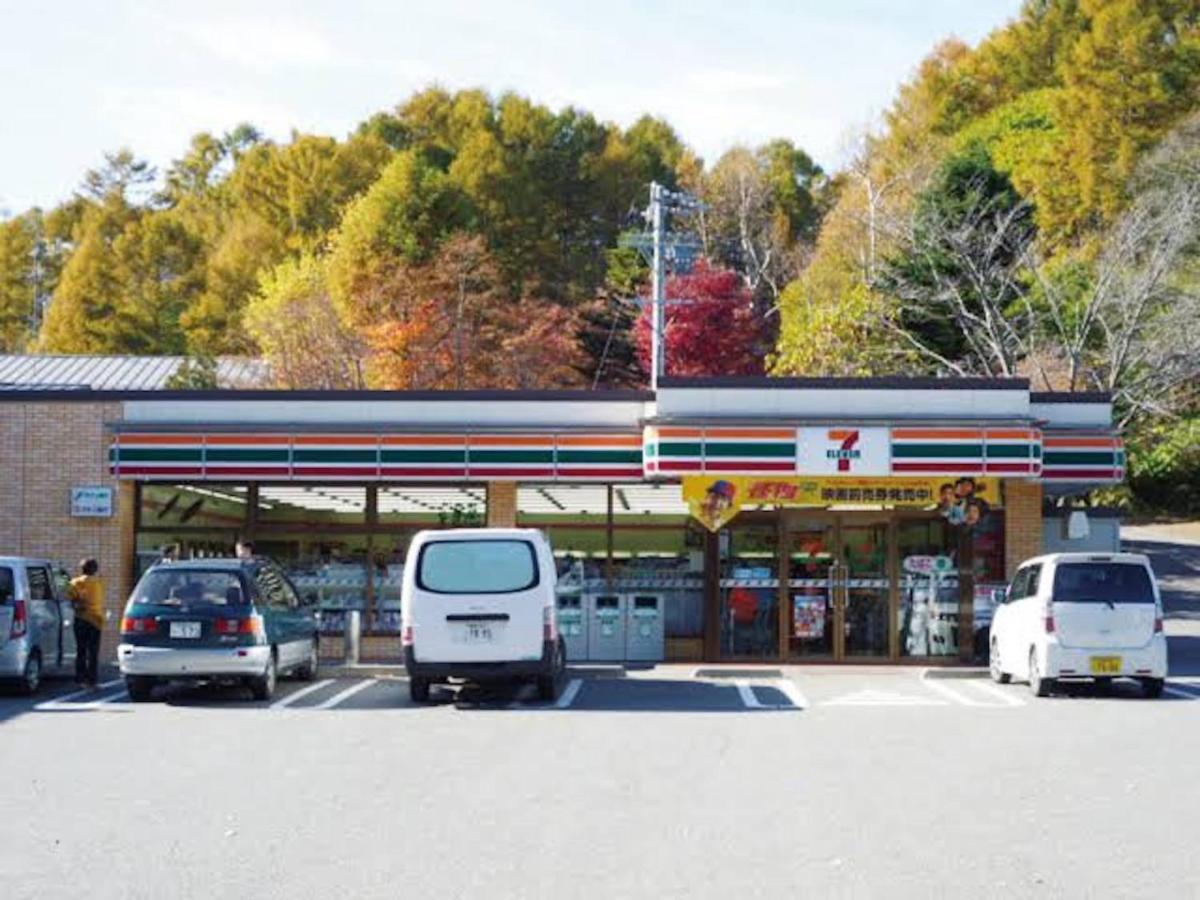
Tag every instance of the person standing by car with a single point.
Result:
(87, 594)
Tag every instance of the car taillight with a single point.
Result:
(20, 620)
(406, 636)
(1158, 626)
(1049, 622)
(549, 624)
(251, 625)
(138, 625)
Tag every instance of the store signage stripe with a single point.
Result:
(1015, 434)
(510, 456)
(336, 440)
(161, 470)
(424, 440)
(763, 434)
(597, 456)
(335, 456)
(158, 439)
(627, 441)
(1082, 475)
(509, 471)
(948, 466)
(457, 474)
(750, 450)
(1009, 450)
(247, 440)
(679, 465)
(1107, 442)
(936, 434)
(727, 466)
(1056, 458)
(676, 448)
(508, 440)
(161, 454)
(681, 432)
(600, 471)
(335, 471)
(217, 454)
(1019, 468)
(938, 451)
(225, 471)
(458, 455)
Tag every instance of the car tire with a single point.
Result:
(998, 675)
(1039, 686)
(139, 688)
(308, 671)
(263, 686)
(1152, 688)
(549, 685)
(418, 690)
(31, 675)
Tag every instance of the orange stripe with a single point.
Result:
(221, 440)
(352, 440)
(162, 439)
(924, 434)
(498, 440)
(1010, 433)
(840, 434)
(1106, 443)
(680, 432)
(782, 433)
(600, 441)
(422, 440)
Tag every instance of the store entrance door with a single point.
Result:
(838, 594)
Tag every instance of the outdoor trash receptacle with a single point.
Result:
(573, 626)
(606, 627)
(644, 628)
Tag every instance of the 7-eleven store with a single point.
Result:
(782, 519)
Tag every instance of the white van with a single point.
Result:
(478, 604)
(1081, 615)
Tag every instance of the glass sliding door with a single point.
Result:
(749, 591)
(866, 589)
(809, 616)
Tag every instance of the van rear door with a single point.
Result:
(8, 595)
(478, 600)
(1104, 603)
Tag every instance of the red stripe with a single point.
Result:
(422, 472)
(585, 472)
(218, 469)
(674, 465)
(127, 469)
(1010, 467)
(725, 466)
(335, 471)
(503, 472)
(937, 466)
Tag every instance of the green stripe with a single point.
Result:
(1079, 458)
(420, 456)
(937, 451)
(335, 456)
(650, 450)
(227, 455)
(161, 454)
(772, 451)
(1010, 451)
(512, 456)
(679, 448)
(599, 456)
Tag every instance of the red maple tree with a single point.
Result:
(712, 326)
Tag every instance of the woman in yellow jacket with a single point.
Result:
(87, 593)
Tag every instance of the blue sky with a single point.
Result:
(81, 78)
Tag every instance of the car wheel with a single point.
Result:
(1040, 686)
(139, 687)
(1152, 687)
(31, 676)
(549, 685)
(418, 690)
(308, 671)
(263, 687)
(998, 675)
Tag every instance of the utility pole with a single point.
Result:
(658, 287)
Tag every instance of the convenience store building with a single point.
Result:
(776, 519)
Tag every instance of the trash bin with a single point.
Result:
(572, 625)
(644, 628)
(606, 628)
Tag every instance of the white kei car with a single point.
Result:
(1072, 616)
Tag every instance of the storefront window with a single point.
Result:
(749, 588)
(928, 617)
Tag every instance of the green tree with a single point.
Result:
(18, 243)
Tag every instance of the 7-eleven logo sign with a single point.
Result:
(847, 449)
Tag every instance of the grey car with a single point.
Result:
(37, 634)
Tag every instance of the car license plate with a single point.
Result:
(1106, 665)
(479, 634)
(188, 630)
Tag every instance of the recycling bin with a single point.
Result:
(645, 636)
(606, 627)
(573, 626)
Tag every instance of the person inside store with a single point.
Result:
(86, 593)
(244, 549)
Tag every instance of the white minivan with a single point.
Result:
(1080, 616)
(478, 604)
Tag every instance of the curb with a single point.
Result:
(965, 672)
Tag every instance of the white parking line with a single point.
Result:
(303, 692)
(1183, 695)
(569, 694)
(747, 694)
(949, 693)
(346, 694)
(62, 702)
(998, 693)
(789, 689)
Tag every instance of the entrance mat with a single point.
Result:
(738, 673)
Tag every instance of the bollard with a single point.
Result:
(353, 636)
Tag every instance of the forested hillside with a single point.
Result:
(1026, 206)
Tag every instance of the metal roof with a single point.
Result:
(118, 373)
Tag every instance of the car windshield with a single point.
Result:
(178, 587)
(1102, 582)
(477, 567)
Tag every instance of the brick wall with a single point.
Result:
(502, 504)
(45, 450)
(1022, 523)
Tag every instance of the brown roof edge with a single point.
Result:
(85, 395)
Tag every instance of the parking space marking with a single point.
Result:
(1182, 690)
(998, 693)
(789, 689)
(63, 701)
(881, 698)
(748, 699)
(303, 692)
(950, 694)
(342, 696)
(569, 694)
